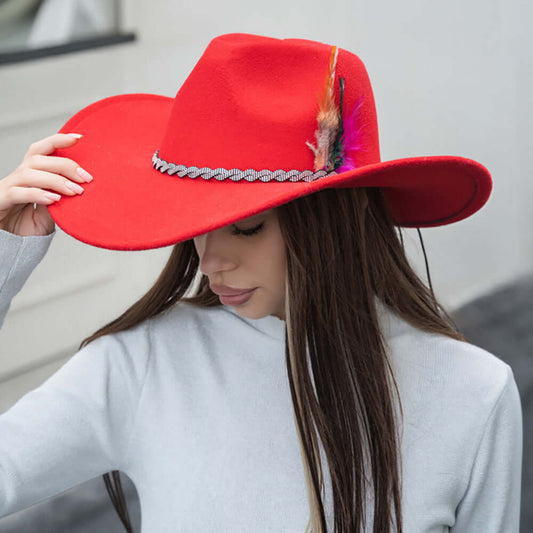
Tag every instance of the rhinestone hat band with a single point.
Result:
(235, 174)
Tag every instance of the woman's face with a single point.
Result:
(254, 261)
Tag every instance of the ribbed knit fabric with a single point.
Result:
(195, 407)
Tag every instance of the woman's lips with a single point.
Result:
(236, 299)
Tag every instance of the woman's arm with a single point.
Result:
(491, 502)
(18, 258)
(77, 425)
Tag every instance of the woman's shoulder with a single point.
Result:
(455, 369)
(184, 327)
(178, 317)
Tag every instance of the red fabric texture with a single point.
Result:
(251, 102)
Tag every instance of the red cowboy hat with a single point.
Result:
(258, 122)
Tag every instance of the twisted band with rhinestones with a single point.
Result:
(236, 174)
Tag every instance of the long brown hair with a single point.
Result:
(343, 253)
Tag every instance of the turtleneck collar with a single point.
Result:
(270, 325)
(390, 322)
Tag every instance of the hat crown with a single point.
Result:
(252, 102)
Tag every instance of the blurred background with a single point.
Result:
(449, 78)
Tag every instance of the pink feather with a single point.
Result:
(352, 138)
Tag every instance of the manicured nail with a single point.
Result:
(84, 174)
(77, 135)
(74, 187)
(51, 196)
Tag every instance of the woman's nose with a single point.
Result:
(215, 254)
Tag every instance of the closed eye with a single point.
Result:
(248, 232)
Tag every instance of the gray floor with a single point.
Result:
(501, 322)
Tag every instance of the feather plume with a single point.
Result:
(351, 139)
(339, 135)
(336, 155)
(328, 117)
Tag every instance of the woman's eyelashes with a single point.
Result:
(248, 232)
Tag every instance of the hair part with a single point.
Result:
(343, 254)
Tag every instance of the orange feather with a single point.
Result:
(328, 116)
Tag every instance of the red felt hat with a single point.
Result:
(258, 122)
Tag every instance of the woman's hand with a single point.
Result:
(37, 180)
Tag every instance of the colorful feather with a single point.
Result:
(328, 117)
(339, 136)
(336, 155)
(351, 140)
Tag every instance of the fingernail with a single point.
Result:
(51, 196)
(77, 135)
(84, 174)
(74, 187)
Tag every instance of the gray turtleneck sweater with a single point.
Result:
(194, 406)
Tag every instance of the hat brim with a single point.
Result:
(132, 206)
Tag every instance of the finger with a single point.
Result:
(31, 177)
(29, 195)
(59, 165)
(49, 144)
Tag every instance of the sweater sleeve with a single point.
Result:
(18, 258)
(491, 502)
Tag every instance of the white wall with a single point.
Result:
(455, 78)
(449, 78)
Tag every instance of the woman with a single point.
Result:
(333, 391)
